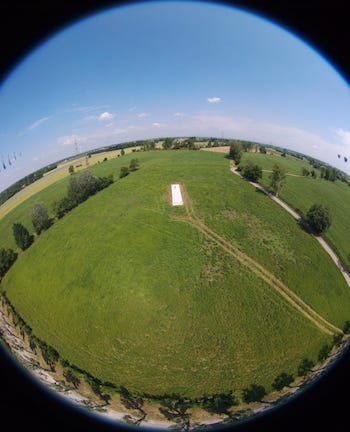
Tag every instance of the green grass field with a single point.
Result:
(302, 192)
(126, 290)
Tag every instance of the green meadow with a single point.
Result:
(301, 192)
(125, 288)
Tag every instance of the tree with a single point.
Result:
(252, 172)
(277, 178)
(132, 402)
(122, 152)
(337, 339)
(324, 352)
(219, 403)
(330, 174)
(305, 366)
(62, 206)
(22, 237)
(71, 169)
(246, 146)
(167, 143)
(174, 408)
(254, 393)
(134, 164)
(82, 186)
(319, 218)
(124, 171)
(262, 149)
(346, 328)
(236, 151)
(190, 144)
(305, 172)
(40, 217)
(282, 380)
(7, 258)
(70, 377)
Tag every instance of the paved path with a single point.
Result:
(296, 216)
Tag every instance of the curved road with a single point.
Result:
(296, 216)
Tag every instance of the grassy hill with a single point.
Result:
(126, 289)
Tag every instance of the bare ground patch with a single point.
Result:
(221, 149)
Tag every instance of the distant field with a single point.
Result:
(45, 190)
(290, 164)
(302, 192)
(55, 175)
(124, 288)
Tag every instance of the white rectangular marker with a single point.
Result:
(176, 195)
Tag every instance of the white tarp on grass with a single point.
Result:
(176, 195)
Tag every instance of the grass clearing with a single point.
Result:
(141, 299)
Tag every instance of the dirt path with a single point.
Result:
(288, 174)
(296, 216)
(258, 269)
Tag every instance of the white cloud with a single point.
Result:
(106, 116)
(132, 108)
(38, 123)
(179, 115)
(142, 115)
(86, 109)
(344, 136)
(214, 99)
(156, 124)
(69, 140)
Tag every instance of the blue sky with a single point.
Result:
(171, 69)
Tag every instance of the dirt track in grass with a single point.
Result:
(289, 295)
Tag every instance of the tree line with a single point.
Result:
(80, 188)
